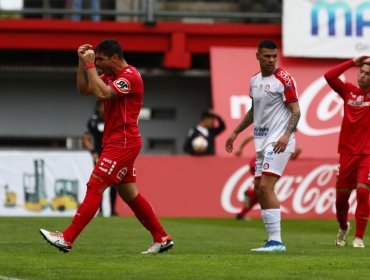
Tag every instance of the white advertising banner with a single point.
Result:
(326, 28)
(43, 183)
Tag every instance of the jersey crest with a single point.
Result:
(122, 85)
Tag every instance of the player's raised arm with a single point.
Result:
(96, 84)
(83, 85)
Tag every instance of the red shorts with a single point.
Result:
(353, 169)
(117, 165)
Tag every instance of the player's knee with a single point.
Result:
(96, 185)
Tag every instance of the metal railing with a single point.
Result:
(148, 13)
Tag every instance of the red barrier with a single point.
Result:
(185, 186)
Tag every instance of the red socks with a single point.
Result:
(85, 213)
(342, 207)
(362, 212)
(144, 212)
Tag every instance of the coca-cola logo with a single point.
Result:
(318, 112)
(313, 193)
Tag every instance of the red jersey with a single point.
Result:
(121, 114)
(354, 138)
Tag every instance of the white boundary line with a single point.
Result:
(2, 277)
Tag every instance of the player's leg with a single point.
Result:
(362, 195)
(344, 186)
(342, 207)
(112, 200)
(85, 213)
(270, 207)
(361, 214)
(250, 200)
(269, 167)
(144, 212)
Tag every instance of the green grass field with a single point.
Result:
(109, 248)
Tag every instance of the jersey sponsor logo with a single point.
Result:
(261, 131)
(107, 165)
(358, 103)
(286, 78)
(122, 85)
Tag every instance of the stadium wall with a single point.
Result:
(49, 183)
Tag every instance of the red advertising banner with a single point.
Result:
(321, 108)
(185, 186)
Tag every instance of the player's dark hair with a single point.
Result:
(267, 44)
(109, 47)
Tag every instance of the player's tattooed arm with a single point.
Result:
(294, 118)
(247, 121)
(283, 141)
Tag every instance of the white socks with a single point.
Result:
(271, 218)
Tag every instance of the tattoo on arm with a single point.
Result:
(247, 121)
(293, 122)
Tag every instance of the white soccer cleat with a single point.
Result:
(342, 236)
(157, 247)
(56, 239)
(271, 246)
(358, 243)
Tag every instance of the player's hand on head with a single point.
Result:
(366, 60)
(361, 59)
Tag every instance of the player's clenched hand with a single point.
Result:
(81, 51)
(83, 48)
(229, 142)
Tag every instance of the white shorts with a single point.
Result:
(269, 163)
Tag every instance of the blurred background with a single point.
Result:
(169, 41)
(193, 56)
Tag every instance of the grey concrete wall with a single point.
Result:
(47, 105)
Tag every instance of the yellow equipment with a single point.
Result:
(34, 188)
(66, 195)
(10, 198)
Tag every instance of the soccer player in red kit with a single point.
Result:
(354, 148)
(121, 89)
